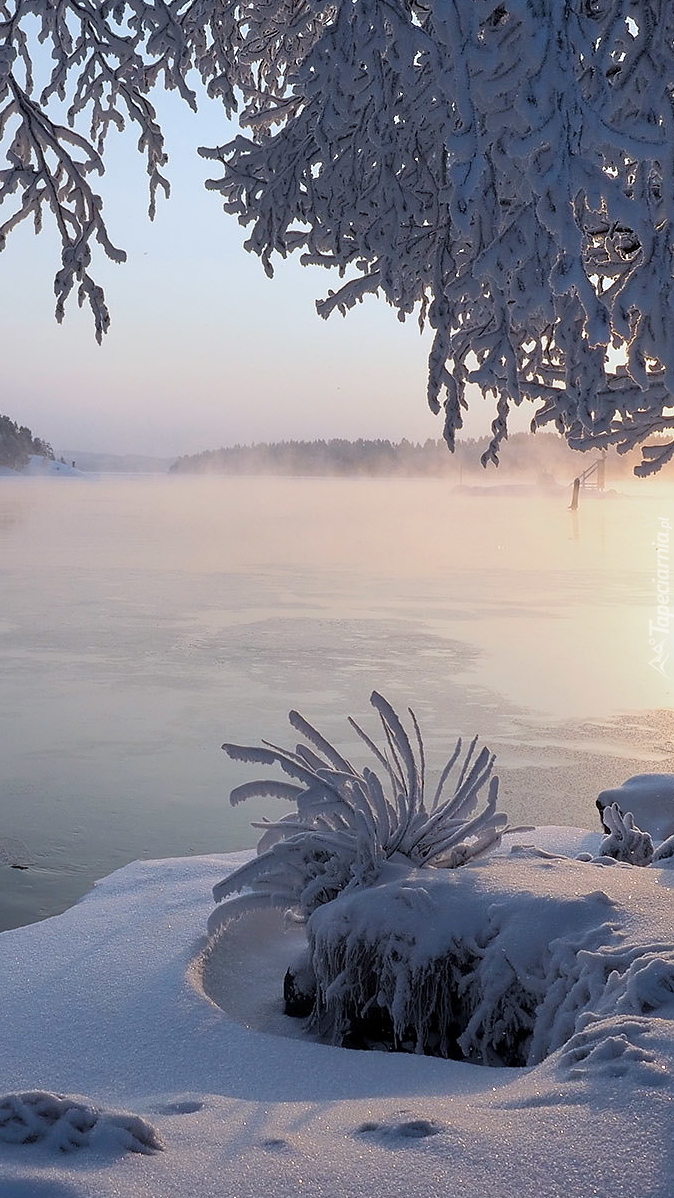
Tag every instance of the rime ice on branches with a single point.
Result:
(503, 169)
(347, 823)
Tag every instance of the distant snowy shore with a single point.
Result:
(39, 467)
(105, 1006)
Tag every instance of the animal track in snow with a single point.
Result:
(405, 1129)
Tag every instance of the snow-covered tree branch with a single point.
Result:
(505, 170)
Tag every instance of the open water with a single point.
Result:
(144, 621)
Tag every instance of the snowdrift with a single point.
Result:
(104, 1005)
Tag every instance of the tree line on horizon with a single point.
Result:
(534, 455)
(18, 445)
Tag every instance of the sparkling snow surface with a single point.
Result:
(105, 1003)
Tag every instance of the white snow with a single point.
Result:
(104, 1005)
(650, 798)
(40, 467)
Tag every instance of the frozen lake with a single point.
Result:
(144, 621)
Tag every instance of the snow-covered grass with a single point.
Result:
(347, 823)
(105, 1005)
(406, 957)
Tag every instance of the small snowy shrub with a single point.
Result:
(624, 841)
(347, 823)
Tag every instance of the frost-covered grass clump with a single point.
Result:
(520, 956)
(347, 823)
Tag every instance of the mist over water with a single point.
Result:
(144, 621)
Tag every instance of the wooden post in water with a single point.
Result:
(574, 497)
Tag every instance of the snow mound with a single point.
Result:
(507, 962)
(65, 1124)
(400, 1129)
(40, 467)
(502, 963)
(649, 798)
(243, 1113)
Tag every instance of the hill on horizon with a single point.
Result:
(538, 456)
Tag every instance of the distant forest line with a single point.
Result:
(533, 455)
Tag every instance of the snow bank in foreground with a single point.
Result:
(500, 963)
(104, 1003)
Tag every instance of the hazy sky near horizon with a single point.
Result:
(203, 349)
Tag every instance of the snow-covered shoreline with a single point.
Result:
(105, 1002)
(39, 467)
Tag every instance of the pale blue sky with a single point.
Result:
(203, 349)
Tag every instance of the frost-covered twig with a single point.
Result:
(347, 823)
(624, 841)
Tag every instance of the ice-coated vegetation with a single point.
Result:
(510, 961)
(638, 818)
(484, 968)
(347, 823)
(519, 955)
(502, 169)
(624, 841)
